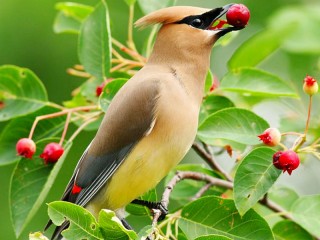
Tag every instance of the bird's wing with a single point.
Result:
(129, 117)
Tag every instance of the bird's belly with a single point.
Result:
(151, 160)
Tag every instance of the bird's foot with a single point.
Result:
(153, 205)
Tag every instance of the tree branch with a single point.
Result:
(210, 160)
(211, 181)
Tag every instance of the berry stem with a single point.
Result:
(298, 143)
(135, 55)
(66, 125)
(57, 114)
(82, 126)
(130, 28)
(78, 73)
(283, 146)
(315, 144)
(309, 113)
(291, 133)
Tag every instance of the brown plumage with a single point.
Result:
(152, 121)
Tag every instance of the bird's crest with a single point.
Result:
(169, 15)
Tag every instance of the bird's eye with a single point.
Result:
(196, 23)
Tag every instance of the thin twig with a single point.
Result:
(82, 126)
(130, 28)
(291, 133)
(135, 55)
(195, 176)
(57, 114)
(308, 117)
(65, 128)
(201, 191)
(210, 161)
(77, 73)
(180, 175)
(117, 55)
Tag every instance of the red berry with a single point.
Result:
(52, 152)
(26, 147)
(276, 162)
(100, 88)
(270, 137)
(310, 85)
(238, 15)
(286, 160)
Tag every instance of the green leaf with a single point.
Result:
(30, 184)
(254, 177)
(82, 223)
(148, 6)
(283, 196)
(70, 17)
(259, 47)
(213, 237)
(21, 92)
(130, 2)
(234, 124)
(287, 230)
(112, 228)
(213, 215)
(76, 101)
(75, 10)
(37, 236)
(20, 128)
(209, 81)
(305, 22)
(255, 82)
(213, 103)
(306, 212)
(66, 24)
(95, 42)
(145, 232)
(109, 91)
(226, 39)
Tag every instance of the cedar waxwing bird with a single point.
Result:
(152, 121)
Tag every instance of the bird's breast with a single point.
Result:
(161, 149)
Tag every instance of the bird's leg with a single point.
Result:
(153, 205)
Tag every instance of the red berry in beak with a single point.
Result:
(26, 147)
(286, 161)
(51, 153)
(310, 85)
(271, 137)
(238, 15)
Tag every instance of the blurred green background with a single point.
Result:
(27, 40)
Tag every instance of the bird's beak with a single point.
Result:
(218, 24)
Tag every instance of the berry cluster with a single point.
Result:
(52, 152)
(288, 160)
(26, 147)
